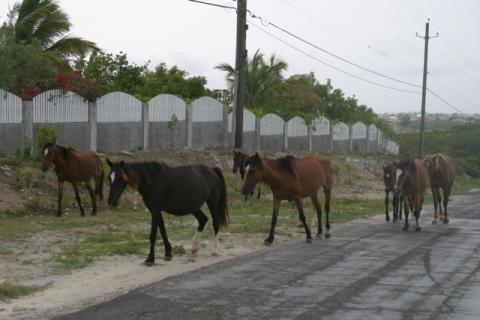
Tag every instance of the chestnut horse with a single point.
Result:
(388, 174)
(293, 179)
(177, 190)
(239, 160)
(442, 176)
(410, 182)
(75, 167)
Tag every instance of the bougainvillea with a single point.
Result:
(74, 81)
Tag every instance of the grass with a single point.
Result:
(10, 290)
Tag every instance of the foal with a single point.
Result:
(293, 179)
(75, 167)
(388, 175)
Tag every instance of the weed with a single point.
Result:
(10, 290)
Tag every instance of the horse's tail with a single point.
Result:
(100, 183)
(223, 218)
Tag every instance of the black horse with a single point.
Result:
(239, 161)
(176, 190)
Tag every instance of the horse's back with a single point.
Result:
(446, 169)
(87, 163)
(422, 177)
(314, 171)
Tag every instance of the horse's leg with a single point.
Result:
(60, 198)
(318, 210)
(418, 210)
(446, 195)
(401, 201)
(93, 197)
(328, 198)
(202, 221)
(258, 194)
(276, 208)
(406, 203)
(301, 216)
(387, 217)
(163, 233)
(153, 236)
(435, 205)
(439, 200)
(77, 196)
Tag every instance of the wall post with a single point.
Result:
(92, 125)
(188, 118)
(309, 137)
(285, 135)
(225, 127)
(350, 138)
(146, 126)
(27, 118)
(258, 133)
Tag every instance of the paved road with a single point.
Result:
(368, 270)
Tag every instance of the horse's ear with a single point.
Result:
(122, 164)
(110, 163)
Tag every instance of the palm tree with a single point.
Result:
(261, 80)
(43, 22)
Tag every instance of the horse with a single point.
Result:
(176, 190)
(388, 173)
(410, 182)
(75, 167)
(239, 160)
(293, 179)
(441, 171)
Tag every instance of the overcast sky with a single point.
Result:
(376, 34)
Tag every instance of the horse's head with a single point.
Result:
(401, 173)
(388, 173)
(118, 179)
(253, 174)
(430, 162)
(48, 152)
(237, 161)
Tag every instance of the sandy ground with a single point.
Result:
(112, 276)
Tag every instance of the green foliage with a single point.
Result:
(26, 177)
(25, 70)
(461, 143)
(46, 134)
(11, 290)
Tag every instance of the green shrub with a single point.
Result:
(26, 177)
(46, 134)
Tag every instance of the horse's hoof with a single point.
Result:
(149, 263)
(319, 236)
(327, 236)
(434, 222)
(299, 224)
(418, 228)
(167, 258)
(405, 228)
(446, 221)
(268, 242)
(194, 250)
(387, 218)
(309, 240)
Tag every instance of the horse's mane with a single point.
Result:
(287, 163)
(146, 170)
(407, 164)
(65, 152)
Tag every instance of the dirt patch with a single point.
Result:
(9, 198)
(112, 276)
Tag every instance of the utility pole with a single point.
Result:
(424, 88)
(240, 69)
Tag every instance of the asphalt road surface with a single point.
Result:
(369, 269)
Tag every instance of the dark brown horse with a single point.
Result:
(293, 179)
(239, 161)
(441, 171)
(75, 167)
(410, 182)
(388, 174)
(177, 190)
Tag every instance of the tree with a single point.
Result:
(25, 70)
(262, 79)
(43, 22)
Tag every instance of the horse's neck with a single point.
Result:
(60, 162)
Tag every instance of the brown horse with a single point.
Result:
(75, 167)
(442, 176)
(293, 179)
(410, 182)
(388, 174)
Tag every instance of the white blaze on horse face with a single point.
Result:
(398, 173)
(45, 152)
(112, 177)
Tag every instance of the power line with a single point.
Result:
(445, 101)
(268, 23)
(352, 38)
(213, 4)
(392, 15)
(329, 65)
(453, 91)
